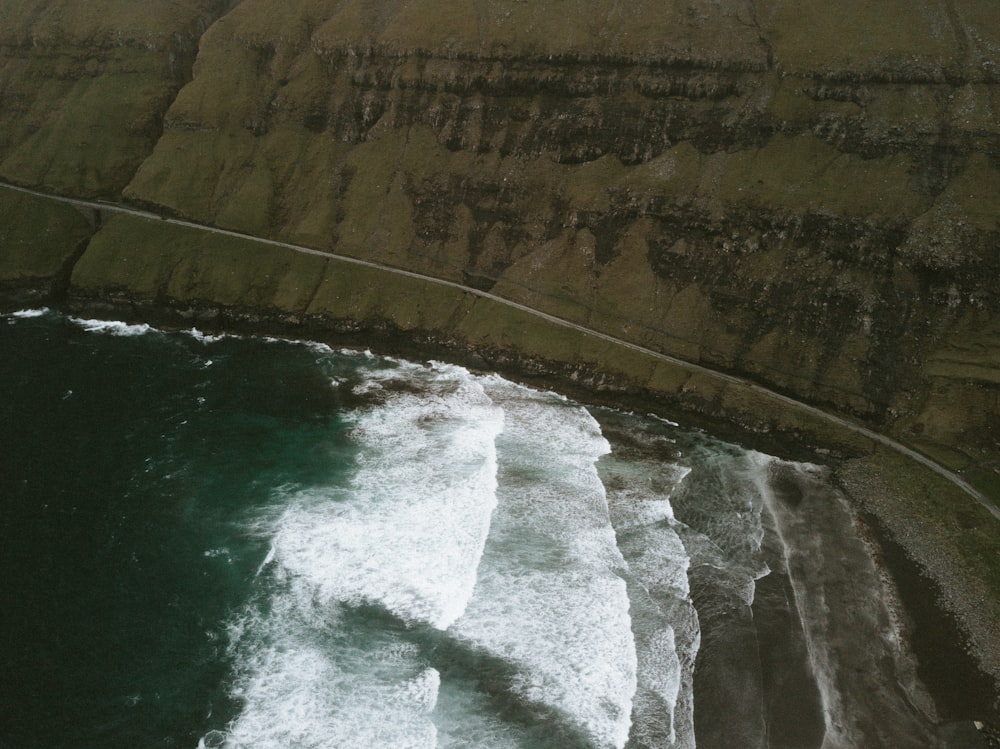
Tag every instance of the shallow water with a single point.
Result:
(231, 542)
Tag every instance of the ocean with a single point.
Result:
(236, 542)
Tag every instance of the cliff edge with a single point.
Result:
(801, 195)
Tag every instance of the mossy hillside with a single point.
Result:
(799, 225)
(860, 37)
(370, 203)
(700, 30)
(209, 150)
(973, 196)
(700, 313)
(127, 256)
(960, 369)
(373, 298)
(276, 178)
(968, 349)
(376, 208)
(147, 260)
(84, 137)
(155, 261)
(101, 22)
(190, 183)
(785, 175)
(86, 85)
(38, 237)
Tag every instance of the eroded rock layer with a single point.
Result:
(803, 194)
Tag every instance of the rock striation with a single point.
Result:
(84, 86)
(804, 195)
(754, 186)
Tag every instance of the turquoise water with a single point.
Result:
(238, 542)
(129, 466)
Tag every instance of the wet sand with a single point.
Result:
(950, 628)
(960, 688)
(820, 658)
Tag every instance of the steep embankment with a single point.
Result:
(84, 86)
(805, 196)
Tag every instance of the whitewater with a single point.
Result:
(403, 554)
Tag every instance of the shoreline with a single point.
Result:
(951, 624)
(961, 671)
(946, 665)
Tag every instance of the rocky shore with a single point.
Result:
(954, 618)
(947, 614)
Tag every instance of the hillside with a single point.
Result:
(805, 196)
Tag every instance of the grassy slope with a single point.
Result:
(296, 136)
(85, 86)
(37, 237)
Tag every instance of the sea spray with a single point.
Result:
(310, 675)
(640, 473)
(408, 531)
(112, 327)
(404, 535)
(550, 599)
(27, 314)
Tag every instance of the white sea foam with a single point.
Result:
(209, 337)
(112, 327)
(316, 346)
(409, 531)
(306, 680)
(549, 600)
(665, 622)
(404, 534)
(27, 314)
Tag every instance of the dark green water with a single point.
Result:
(127, 466)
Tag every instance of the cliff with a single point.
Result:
(84, 86)
(802, 195)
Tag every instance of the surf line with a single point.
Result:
(953, 478)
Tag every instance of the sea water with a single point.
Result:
(249, 542)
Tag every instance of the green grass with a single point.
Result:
(82, 134)
(37, 236)
(155, 260)
(950, 514)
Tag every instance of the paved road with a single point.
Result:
(899, 447)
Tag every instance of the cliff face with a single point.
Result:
(801, 193)
(84, 85)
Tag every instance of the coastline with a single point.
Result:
(184, 275)
(962, 673)
(777, 224)
(953, 620)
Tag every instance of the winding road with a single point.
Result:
(118, 208)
